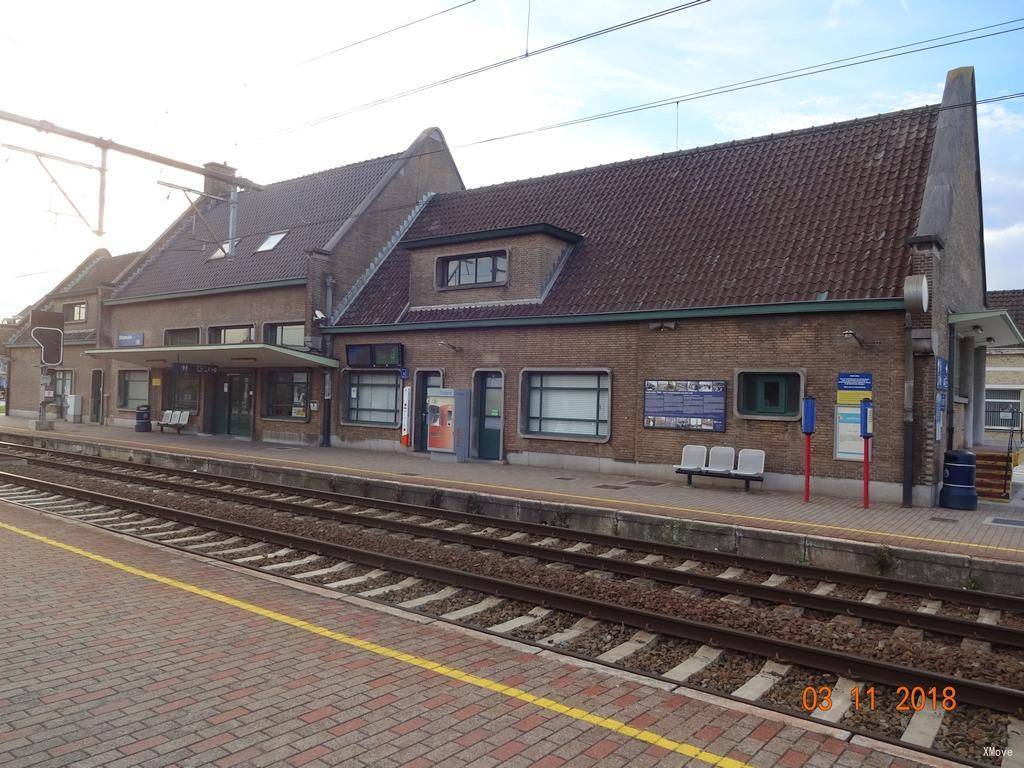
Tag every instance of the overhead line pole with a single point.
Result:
(107, 144)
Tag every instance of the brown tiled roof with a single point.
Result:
(99, 269)
(1012, 301)
(783, 218)
(311, 208)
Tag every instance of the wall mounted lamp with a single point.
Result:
(447, 345)
(848, 334)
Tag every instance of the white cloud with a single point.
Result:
(1004, 252)
(997, 118)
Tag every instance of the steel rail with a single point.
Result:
(847, 665)
(992, 633)
(975, 598)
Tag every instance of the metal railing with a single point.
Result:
(1007, 417)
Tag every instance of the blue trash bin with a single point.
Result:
(958, 488)
(143, 421)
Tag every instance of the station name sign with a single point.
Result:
(193, 368)
(130, 339)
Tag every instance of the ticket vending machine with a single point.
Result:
(448, 423)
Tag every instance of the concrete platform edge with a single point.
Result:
(953, 570)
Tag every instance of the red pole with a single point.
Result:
(867, 470)
(807, 467)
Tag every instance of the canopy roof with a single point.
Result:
(225, 355)
(995, 324)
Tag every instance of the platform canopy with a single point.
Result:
(222, 355)
(995, 324)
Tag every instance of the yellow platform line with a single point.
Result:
(576, 713)
(771, 522)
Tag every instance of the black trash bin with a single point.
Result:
(958, 490)
(142, 419)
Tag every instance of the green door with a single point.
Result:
(490, 417)
(232, 405)
(240, 405)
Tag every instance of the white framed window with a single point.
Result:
(567, 404)
(1002, 408)
(373, 397)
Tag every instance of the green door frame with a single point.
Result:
(489, 425)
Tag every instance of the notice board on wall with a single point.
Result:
(692, 404)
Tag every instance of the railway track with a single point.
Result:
(714, 656)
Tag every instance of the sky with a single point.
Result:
(227, 82)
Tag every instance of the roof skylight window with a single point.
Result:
(271, 242)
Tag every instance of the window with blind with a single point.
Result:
(567, 404)
(373, 397)
(181, 337)
(1002, 408)
(132, 389)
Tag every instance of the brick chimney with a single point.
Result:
(216, 186)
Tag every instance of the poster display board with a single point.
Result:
(441, 421)
(849, 445)
(941, 393)
(692, 404)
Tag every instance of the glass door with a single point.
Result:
(240, 405)
(96, 399)
(427, 384)
(489, 394)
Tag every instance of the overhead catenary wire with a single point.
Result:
(386, 32)
(497, 64)
(753, 142)
(793, 74)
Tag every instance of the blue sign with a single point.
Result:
(941, 374)
(130, 339)
(403, 373)
(193, 368)
(855, 382)
(685, 404)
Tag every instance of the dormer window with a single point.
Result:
(490, 268)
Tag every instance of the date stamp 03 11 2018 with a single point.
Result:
(911, 699)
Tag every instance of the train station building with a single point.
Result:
(598, 319)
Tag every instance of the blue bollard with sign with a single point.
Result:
(807, 427)
(867, 430)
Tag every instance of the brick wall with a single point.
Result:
(531, 259)
(430, 169)
(697, 349)
(1005, 370)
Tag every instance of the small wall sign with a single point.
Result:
(130, 339)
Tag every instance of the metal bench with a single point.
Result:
(718, 462)
(173, 419)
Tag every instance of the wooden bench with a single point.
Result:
(173, 419)
(718, 462)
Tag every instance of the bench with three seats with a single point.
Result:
(721, 462)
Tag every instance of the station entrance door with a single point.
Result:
(232, 404)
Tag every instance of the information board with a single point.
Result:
(941, 374)
(851, 388)
(692, 404)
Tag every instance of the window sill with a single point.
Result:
(765, 417)
(287, 419)
(471, 286)
(566, 438)
(377, 424)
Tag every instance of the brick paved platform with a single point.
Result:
(105, 665)
(938, 530)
